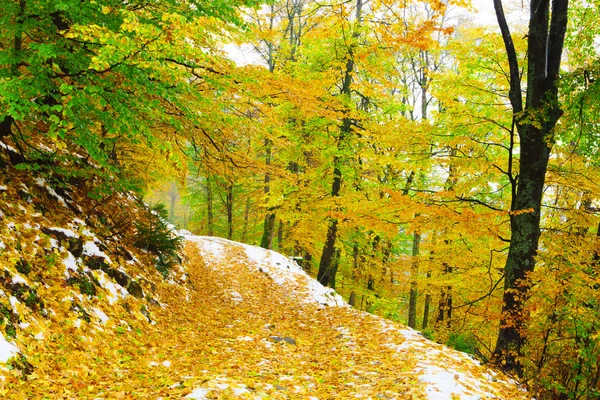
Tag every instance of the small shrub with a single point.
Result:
(86, 286)
(23, 266)
(81, 313)
(462, 342)
(10, 330)
(428, 333)
(32, 300)
(387, 308)
(155, 236)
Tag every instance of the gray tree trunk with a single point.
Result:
(209, 207)
(414, 272)
(327, 266)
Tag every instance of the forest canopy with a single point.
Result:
(431, 170)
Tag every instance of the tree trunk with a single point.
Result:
(327, 269)
(280, 235)
(414, 272)
(209, 207)
(269, 224)
(229, 206)
(535, 122)
(246, 220)
(424, 103)
(268, 230)
(445, 303)
(173, 197)
(427, 304)
(326, 274)
(352, 299)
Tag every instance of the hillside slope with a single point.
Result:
(85, 314)
(300, 340)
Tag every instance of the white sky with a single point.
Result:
(516, 14)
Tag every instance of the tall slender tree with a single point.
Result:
(327, 267)
(535, 120)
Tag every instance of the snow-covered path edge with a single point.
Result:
(440, 369)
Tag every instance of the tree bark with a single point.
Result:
(414, 272)
(268, 230)
(209, 207)
(327, 267)
(535, 123)
(246, 220)
(229, 206)
(352, 299)
(269, 224)
(173, 197)
(427, 304)
(445, 303)
(280, 235)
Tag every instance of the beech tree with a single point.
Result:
(534, 119)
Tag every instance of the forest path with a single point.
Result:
(249, 323)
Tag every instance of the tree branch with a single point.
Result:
(515, 84)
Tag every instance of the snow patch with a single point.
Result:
(8, 147)
(42, 183)
(90, 248)
(283, 271)
(198, 394)
(70, 264)
(13, 303)
(67, 232)
(7, 349)
(443, 384)
(115, 291)
(100, 314)
(16, 278)
(235, 296)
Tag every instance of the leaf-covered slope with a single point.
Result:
(288, 337)
(91, 317)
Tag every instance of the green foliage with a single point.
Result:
(389, 308)
(5, 318)
(428, 333)
(156, 236)
(19, 362)
(23, 266)
(84, 283)
(32, 300)
(464, 342)
(10, 330)
(94, 77)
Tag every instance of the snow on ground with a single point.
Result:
(90, 248)
(7, 349)
(115, 292)
(283, 271)
(70, 263)
(218, 384)
(101, 315)
(444, 372)
(41, 182)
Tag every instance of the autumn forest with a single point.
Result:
(433, 169)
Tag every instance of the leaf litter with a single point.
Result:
(245, 323)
